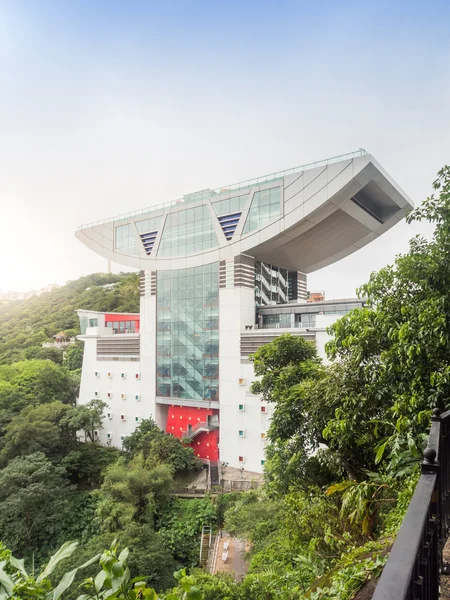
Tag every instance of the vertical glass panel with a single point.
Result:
(124, 239)
(265, 209)
(83, 325)
(187, 232)
(187, 333)
(226, 207)
(148, 225)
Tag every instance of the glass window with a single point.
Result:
(149, 225)
(93, 322)
(187, 232)
(228, 206)
(125, 239)
(307, 320)
(187, 333)
(83, 325)
(265, 209)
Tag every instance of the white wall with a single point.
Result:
(237, 309)
(100, 385)
(322, 337)
(148, 360)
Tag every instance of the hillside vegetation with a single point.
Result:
(28, 323)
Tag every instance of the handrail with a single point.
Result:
(189, 432)
(415, 561)
(194, 197)
(206, 532)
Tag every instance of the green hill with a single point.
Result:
(28, 323)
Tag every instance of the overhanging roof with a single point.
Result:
(327, 212)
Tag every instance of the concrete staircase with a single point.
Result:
(205, 544)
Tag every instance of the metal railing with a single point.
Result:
(415, 562)
(205, 544)
(203, 194)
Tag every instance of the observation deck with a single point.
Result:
(303, 219)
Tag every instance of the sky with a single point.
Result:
(108, 107)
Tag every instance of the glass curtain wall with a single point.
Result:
(264, 209)
(124, 240)
(188, 333)
(187, 231)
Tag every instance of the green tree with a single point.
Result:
(131, 492)
(37, 429)
(87, 418)
(73, 356)
(34, 498)
(51, 429)
(33, 382)
(87, 463)
(180, 523)
(40, 353)
(289, 370)
(285, 362)
(398, 346)
(158, 447)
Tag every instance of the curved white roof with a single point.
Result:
(303, 219)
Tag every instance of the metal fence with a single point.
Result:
(239, 485)
(415, 563)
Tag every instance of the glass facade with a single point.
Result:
(265, 208)
(187, 232)
(306, 320)
(276, 321)
(124, 239)
(232, 205)
(187, 337)
(130, 326)
(83, 325)
(150, 224)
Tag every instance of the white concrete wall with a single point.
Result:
(148, 360)
(236, 310)
(102, 384)
(322, 337)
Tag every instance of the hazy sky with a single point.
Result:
(108, 107)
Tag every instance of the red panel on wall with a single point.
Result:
(205, 444)
(120, 317)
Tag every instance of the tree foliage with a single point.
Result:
(50, 428)
(398, 346)
(159, 448)
(34, 497)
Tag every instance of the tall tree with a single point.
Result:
(399, 346)
(52, 429)
(33, 500)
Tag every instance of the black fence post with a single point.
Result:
(415, 561)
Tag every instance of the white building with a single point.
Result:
(222, 272)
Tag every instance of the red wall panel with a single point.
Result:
(119, 317)
(205, 444)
